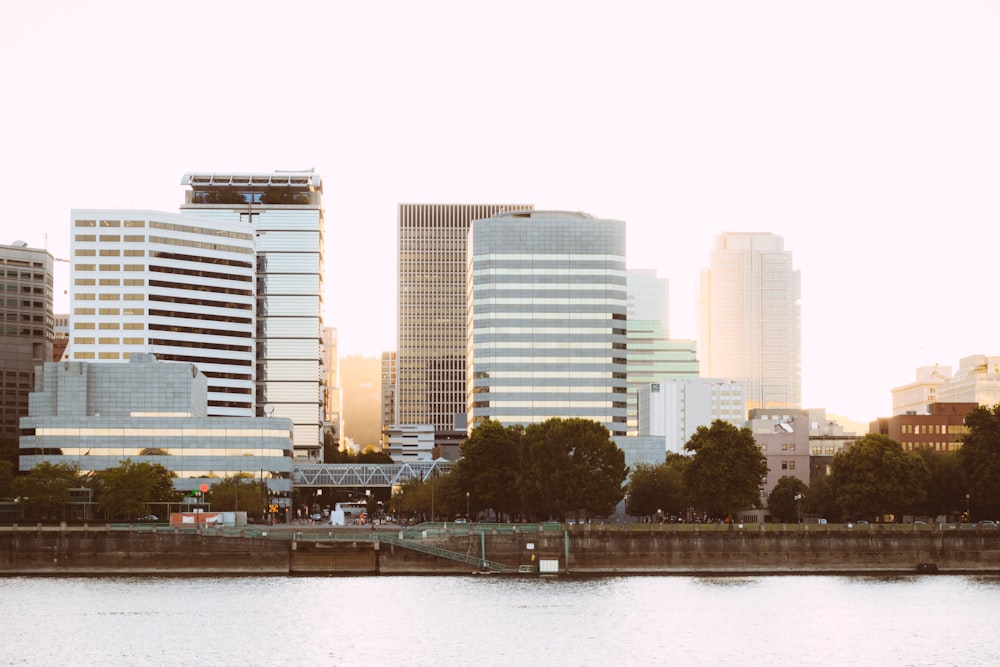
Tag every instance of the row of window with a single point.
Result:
(934, 429)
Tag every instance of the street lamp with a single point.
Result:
(798, 508)
(466, 505)
(968, 515)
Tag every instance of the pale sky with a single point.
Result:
(864, 133)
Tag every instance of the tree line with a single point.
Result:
(553, 470)
(873, 479)
(124, 492)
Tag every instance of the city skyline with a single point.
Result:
(862, 134)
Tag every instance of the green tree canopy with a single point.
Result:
(434, 499)
(238, 493)
(10, 451)
(6, 479)
(122, 492)
(876, 477)
(787, 499)
(490, 467)
(568, 466)
(658, 488)
(980, 461)
(724, 476)
(44, 490)
(945, 486)
(821, 501)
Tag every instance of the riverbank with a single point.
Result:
(497, 548)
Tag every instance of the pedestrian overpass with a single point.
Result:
(353, 475)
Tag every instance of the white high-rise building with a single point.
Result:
(179, 287)
(750, 325)
(547, 312)
(284, 212)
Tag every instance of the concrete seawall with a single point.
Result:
(103, 551)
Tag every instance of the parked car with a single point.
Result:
(986, 523)
(149, 517)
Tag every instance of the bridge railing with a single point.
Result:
(366, 474)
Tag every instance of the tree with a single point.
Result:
(875, 477)
(652, 489)
(571, 465)
(725, 474)
(123, 492)
(44, 490)
(429, 499)
(490, 467)
(786, 500)
(980, 460)
(6, 478)
(238, 493)
(10, 451)
(945, 486)
(821, 501)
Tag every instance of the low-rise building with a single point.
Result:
(95, 415)
(941, 430)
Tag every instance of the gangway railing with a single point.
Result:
(482, 563)
(414, 545)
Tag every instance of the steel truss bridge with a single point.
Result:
(366, 474)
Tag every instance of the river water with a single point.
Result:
(498, 620)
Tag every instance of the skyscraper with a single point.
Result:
(284, 211)
(430, 361)
(547, 307)
(26, 329)
(176, 286)
(749, 323)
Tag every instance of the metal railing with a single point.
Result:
(366, 474)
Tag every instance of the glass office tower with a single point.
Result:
(285, 211)
(547, 311)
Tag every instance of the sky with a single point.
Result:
(863, 132)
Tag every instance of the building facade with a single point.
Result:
(431, 345)
(95, 415)
(284, 212)
(171, 285)
(783, 437)
(548, 313)
(675, 408)
(388, 375)
(26, 329)
(917, 396)
(652, 355)
(941, 429)
(749, 318)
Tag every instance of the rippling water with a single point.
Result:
(496, 620)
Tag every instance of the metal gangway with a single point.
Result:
(366, 474)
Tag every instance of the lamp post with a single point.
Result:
(968, 515)
(466, 505)
(798, 507)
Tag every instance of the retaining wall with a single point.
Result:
(591, 552)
